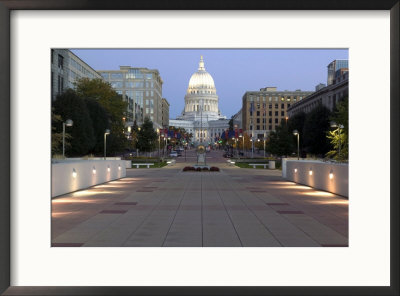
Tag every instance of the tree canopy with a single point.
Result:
(147, 136)
(70, 106)
(316, 125)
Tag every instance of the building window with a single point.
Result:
(104, 75)
(270, 127)
(270, 113)
(116, 75)
(276, 99)
(282, 113)
(270, 99)
(270, 120)
(276, 113)
(258, 127)
(276, 106)
(52, 54)
(60, 61)
(270, 106)
(116, 84)
(288, 105)
(258, 120)
(258, 113)
(276, 120)
(283, 106)
(251, 113)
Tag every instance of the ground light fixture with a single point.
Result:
(119, 167)
(295, 170)
(74, 173)
(108, 169)
(68, 123)
(310, 172)
(331, 174)
(94, 170)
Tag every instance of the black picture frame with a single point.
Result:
(6, 6)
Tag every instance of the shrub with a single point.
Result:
(188, 168)
(198, 169)
(205, 169)
(214, 169)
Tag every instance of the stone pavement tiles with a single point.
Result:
(169, 208)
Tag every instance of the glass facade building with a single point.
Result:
(141, 88)
(333, 68)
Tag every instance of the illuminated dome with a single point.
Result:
(201, 79)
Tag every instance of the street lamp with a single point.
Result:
(106, 132)
(159, 140)
(265, 138)
(296, 133)
(68, 122)
(241, 136)
(252, 146)
(339, 127)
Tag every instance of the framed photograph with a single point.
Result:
(80, 218)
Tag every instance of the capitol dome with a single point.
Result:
(201, 79)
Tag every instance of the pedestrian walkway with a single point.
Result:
(167, 207)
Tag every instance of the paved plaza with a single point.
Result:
(167, 207)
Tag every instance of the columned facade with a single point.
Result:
(201, 116)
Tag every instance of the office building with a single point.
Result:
(165, 113)
(328, 96)
(263, 110)
(142, 89)
(333, 67)
(66, 69)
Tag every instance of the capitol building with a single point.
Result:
(201, 116)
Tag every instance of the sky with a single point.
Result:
(234, 71)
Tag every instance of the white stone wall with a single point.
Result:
(64, 181)
(299, 171)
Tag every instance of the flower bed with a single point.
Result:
(198, 169)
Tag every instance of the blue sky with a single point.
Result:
(235, 71)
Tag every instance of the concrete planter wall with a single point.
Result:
(330, 177)
(71, 175)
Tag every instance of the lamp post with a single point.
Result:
(201, 121)
(241, 136)
(296, 133)
(159, 141)
(265, 138)
(68, 122)
(339, 127)
(106, 132)
(252, 146)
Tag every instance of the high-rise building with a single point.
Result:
(141, 88)
(333, 67)
(66, 68)
(201, 116)
(263, 111)
(165, 113)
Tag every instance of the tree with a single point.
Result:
(101, 122)
(113, 104)
(70, 106)
(57, 137)
(339, 137)
(316, 125)
(280, 141)
(147, 136)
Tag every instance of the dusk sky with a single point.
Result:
(235, 71)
